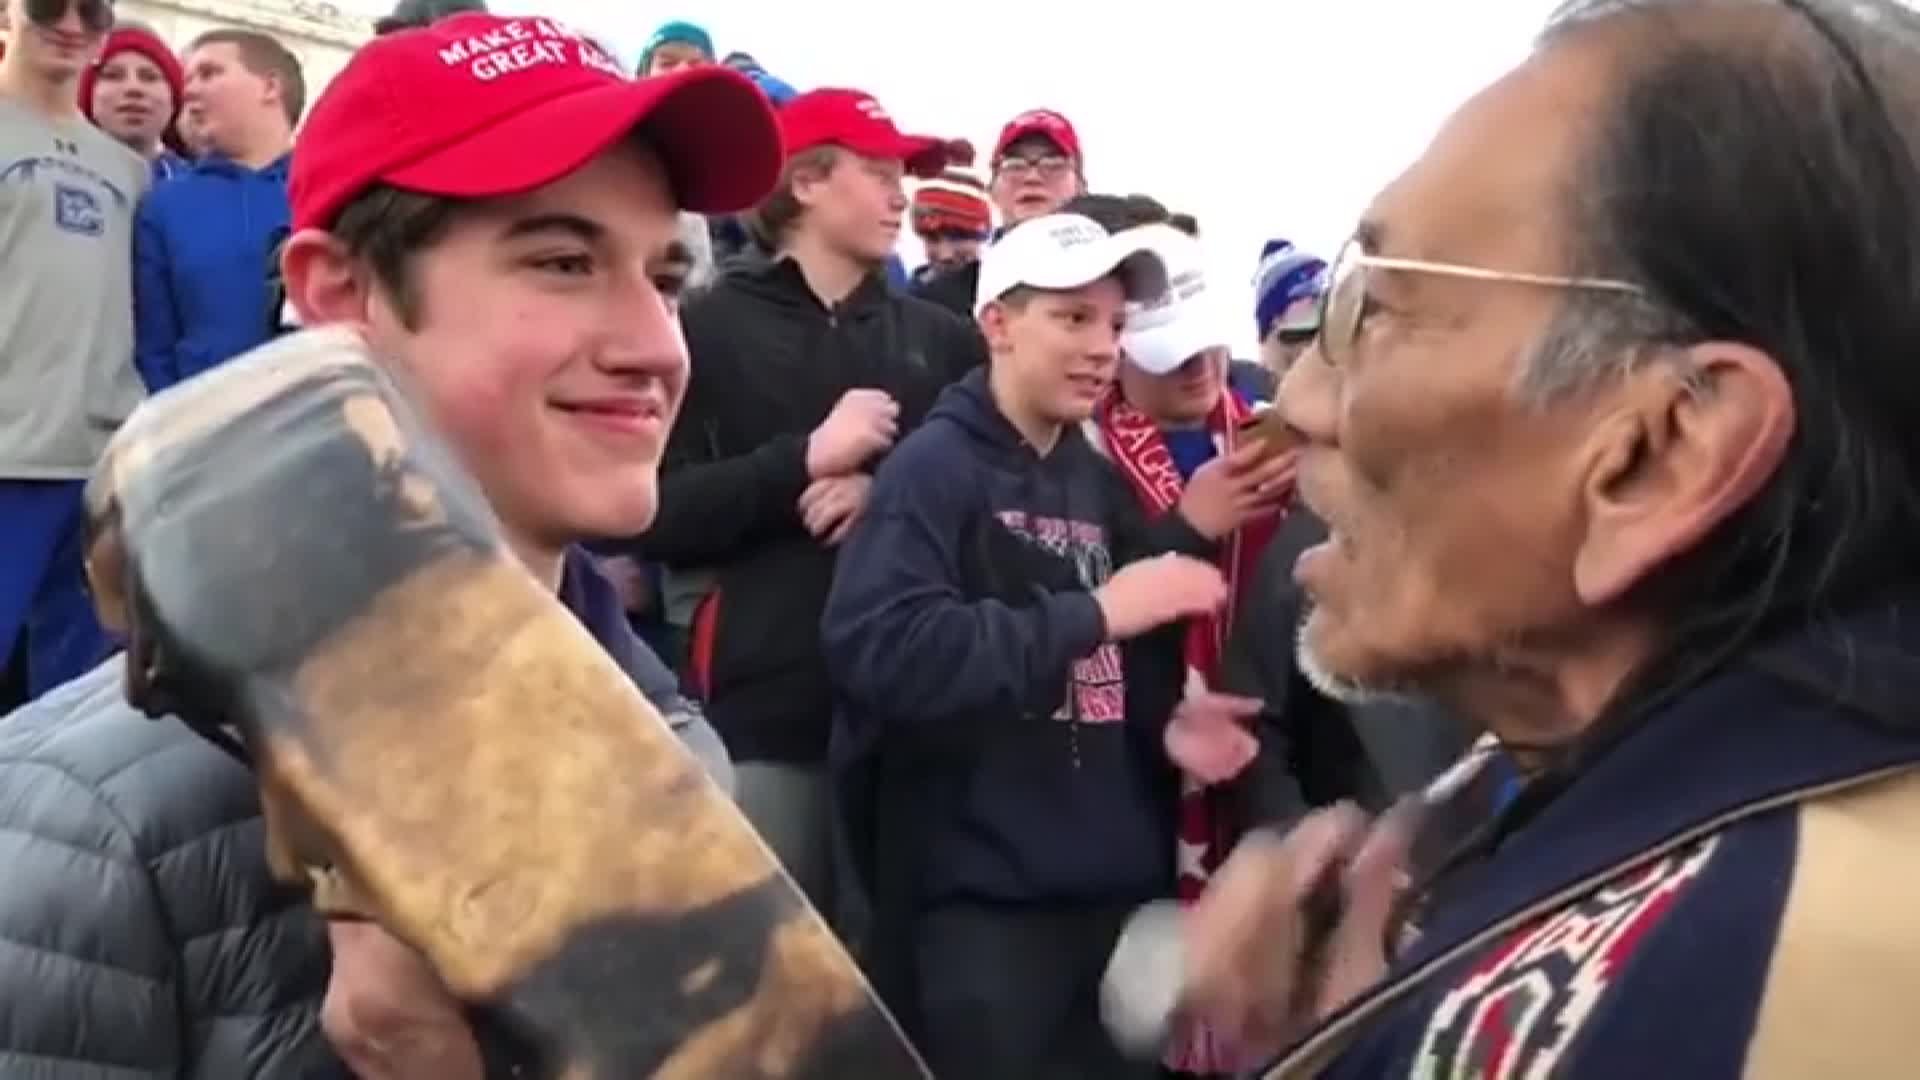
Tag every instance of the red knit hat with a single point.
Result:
(141, 40)
(956, 200)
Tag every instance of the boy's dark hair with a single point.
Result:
(389, 228)
(263, 55)
(1118, 213)
(774, 217)
(414, 14)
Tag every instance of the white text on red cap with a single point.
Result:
(522, 44)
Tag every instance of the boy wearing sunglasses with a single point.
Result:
(1286, 290)
(67, 196)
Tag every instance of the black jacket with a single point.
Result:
(1327, 751)
(769, 364)
(141, 935)
(953, 290)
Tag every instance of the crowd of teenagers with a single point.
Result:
(1000, 595)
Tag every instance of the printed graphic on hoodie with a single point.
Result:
(1097, 689)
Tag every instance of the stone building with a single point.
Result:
(319, 33)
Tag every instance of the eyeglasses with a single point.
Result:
(1343, 307)
(95, 15)
(1051, 167)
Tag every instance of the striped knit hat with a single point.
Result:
(1285, 276)
(956, 200)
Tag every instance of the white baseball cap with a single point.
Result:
(1185, 319)
(1067, 251)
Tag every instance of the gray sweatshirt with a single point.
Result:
(67, 197)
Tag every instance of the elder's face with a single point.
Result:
(1453, 505)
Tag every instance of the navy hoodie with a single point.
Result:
(202, 251)
(993, 747)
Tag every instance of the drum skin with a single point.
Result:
(295, 559)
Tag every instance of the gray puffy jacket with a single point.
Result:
(141, 934)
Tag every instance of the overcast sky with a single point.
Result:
(1279, 118)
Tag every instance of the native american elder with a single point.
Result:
(1611, 418)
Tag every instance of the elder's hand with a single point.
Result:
(387, 1014)
(1263, 965)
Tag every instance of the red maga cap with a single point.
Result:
(479, 106)
(1044, 122)
(853, 119)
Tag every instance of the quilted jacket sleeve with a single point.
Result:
(140, 933)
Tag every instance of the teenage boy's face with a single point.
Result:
(858, 205)
(1033, 178)
(58, 38)
(674, 56)
(948, 248)
(1062, 347)
(548, 350)
(131, 99)
(224, 96)
(1185, 395)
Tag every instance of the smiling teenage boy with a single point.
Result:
(1002, 693)
(528, 299)
(504, 235)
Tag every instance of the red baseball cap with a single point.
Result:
(853, 119)
(1044, 122)
(478, 106)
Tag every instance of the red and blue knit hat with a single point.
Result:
(954, 201)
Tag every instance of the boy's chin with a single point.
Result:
(626, 515)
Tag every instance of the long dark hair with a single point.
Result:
(1758, 172)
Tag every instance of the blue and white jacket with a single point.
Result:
(1732, 890)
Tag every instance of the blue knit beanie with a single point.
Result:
(1285, 276)
(678, 32)
(777, 90)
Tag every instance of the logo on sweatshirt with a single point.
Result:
(1097, 686)
(77, 210)
(1519, 1010)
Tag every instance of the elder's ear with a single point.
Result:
(1689, 443)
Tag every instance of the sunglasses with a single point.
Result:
(1344, 305)
(1301, 334)
(96, 15)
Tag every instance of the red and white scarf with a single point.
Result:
(1206, 835)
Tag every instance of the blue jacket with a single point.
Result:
(1728, 891)
(202, 247)
(168, 166)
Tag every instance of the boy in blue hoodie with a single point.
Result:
(991, 636)
(204, 243)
